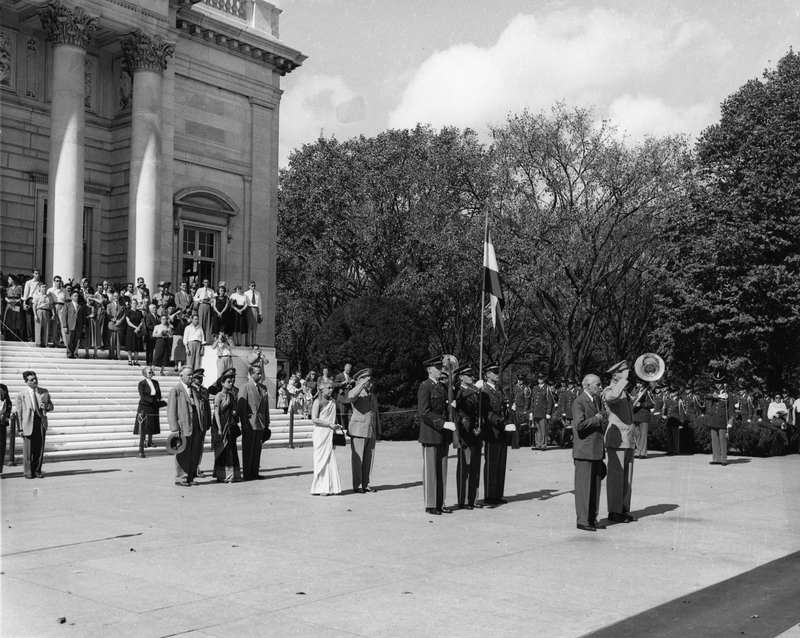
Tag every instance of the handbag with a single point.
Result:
(234, 430)
(339, 439)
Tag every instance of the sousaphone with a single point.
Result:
(649, 367)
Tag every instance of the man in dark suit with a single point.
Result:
(494, 433)
(364, 429)
(151, 320)
(588, 451)
(253, 410)
(183, 414)
(76, 316)
(435, 435)
(541, 406)
(720, 412)
(468, 473)
(32, 405)
(342, 384)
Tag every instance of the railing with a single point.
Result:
(232, 7)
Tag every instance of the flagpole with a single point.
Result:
(483, 317)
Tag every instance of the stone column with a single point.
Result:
(147, 60)
(68, 30)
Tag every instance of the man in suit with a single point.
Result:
(468, 472)
(76, 316)
(58, 296)
(494, 425)
(151, 320)
(588, 451)
(435, 435)
(541, 406)
(183, 414)
(720, 412)
(32, 405)
(342, 384)
(253, 410)
(182, 298)
(364, 430)
(620, 445)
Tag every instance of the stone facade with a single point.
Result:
(140, 138)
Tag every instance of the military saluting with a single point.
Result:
(620, 445)
(435, 435)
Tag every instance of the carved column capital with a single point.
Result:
(145, 53)
(67, 26)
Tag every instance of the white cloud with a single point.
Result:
(642, 115)
(318, 103)
(585, 58)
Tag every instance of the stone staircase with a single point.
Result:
(95, 404)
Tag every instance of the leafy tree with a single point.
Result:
(737, 286)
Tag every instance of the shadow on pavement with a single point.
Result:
(275, 469)
(653, 510)
(737, 461)
(72, 473)
(399, 486)
(539, 495)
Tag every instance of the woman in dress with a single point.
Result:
(99, 321)
(178, 326)
(225, 429)
(238, 314)
(13, 317)
(149, 404)
(162, 334)
(220, 311)
(224, 357)
(133, 337)
(42, 314)
(283, 397)
(204, 297)
(326, 472)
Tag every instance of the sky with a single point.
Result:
(650, 67)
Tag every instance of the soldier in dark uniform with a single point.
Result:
(569, 392)
(674, 412)
(643, 407)
(435, 435)
(522, 408)
(720, 411)
(542, 409)
(494, 420)
(468, 473)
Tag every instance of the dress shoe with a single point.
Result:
(477, 506)
(30, 477)
(713, 463)
(617, 518)
(598, 525)
(461, 506)
(724, 463)
(200, 474)
(630, 518)
(369, 489)
(445, 510)
(432, 510)
(469, 507)
(183, 483)
(587, 528)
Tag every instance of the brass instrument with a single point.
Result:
(649, 367)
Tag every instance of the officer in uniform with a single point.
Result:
(541, 407)
(494, 420)
(720, 413)
(468, 474)
(435, 435)
(568, 394)
(620, 445)
(644, 405)
(521, 407)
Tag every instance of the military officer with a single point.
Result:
(435, 435)
(568, 394)
(720, 413)
(468, 473)
(541, 406)
(643, 407)
(521, 407)
(619, 445)
(494, 426)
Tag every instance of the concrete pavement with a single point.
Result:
(115, 548)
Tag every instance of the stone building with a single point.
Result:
(139, 138)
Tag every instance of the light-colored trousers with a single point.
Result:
(362, 454)
(43, 326)
(194, 354)
(640, 436)
(719, 445)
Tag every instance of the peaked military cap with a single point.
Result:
(365, 372)
(433, 361)
(467, 369)
(618, 367)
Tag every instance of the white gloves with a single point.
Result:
(479, 384)
(449, 425)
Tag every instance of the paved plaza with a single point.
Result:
(116, 549)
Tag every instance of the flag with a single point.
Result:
(492, 284)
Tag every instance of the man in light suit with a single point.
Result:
(364, 429)
(620, 445)
(588, 422)
(183, 415)
(253, 410)
(32, 405)
(76, 315)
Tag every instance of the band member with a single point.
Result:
(643, 407)
(619, 445)
(521, 408)
(469, 430)
(588, 423)
(720, 412)
(541, 406)
(674, 411)
(494, 419)
(435, 435)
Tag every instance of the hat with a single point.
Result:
(467, 370)
(227, 373)
(198, 372)
(718, 376)
(433, 361)
(494, 369)
(266, 435)
(161, 284)
(541, 375)
(176, 443)
(366, 372)
(167, 284)
(618, 367)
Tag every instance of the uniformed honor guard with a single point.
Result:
(435, 435)
(494, 433)
(720, 413)
(643, 407)
(521, 408)
(469, 431)
(619, 439)
(568, 394)
(541, 407)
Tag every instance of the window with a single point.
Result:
(199, 255)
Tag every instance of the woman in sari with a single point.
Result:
(326, 472)
(225, 429)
